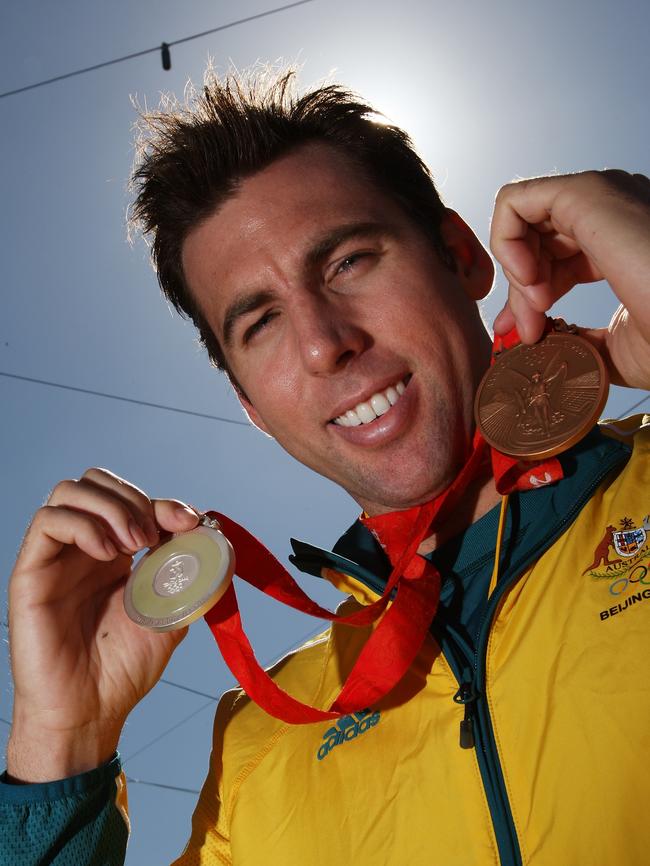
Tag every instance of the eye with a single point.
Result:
(349, 263)
(258, 325)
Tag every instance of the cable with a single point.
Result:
(312, 632)
(241, 21)
(130, 779)
(187, 689)
(168, 731)
(188, 411)
(125, 399)
(633, 406)
(152, 50)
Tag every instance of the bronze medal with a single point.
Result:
(537, 401)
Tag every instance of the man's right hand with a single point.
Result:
(79, 663)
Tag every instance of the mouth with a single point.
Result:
(374, 407)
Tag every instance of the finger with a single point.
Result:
(541, 295)
(572, 271)
(140, 504)
(53, 527)
(505, 321)
(558, 246)
(520, 255)
(598, 337)
(555, 279)
(175, 516)
(519, 206)
(626, 360)
(530, 322)
(118, 514)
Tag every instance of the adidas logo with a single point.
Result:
(347, 728)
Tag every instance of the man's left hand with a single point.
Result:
(551, 233)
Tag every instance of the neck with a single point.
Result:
(479, 498)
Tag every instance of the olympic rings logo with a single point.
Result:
(619, 586)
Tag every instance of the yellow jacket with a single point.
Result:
(556, 699)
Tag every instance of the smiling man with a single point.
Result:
(309, 245)
(311, 277)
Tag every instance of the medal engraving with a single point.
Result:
(177, 574)
(537, 401)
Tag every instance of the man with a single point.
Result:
(324, 274)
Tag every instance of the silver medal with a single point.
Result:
(178, 581)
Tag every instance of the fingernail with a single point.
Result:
(137, 534)
(185, 511)
(110, 547)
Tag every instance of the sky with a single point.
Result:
(489, 92)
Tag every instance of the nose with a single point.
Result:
(328, 335)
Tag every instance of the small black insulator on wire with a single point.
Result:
(166, 56)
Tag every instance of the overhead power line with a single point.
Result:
(188, 689)
(163, 49)
(633, 406)
(124, 399)
(274, 660)
(189, 411)
(265, 664)
(167, 731)
(130, 779)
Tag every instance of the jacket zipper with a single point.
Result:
(469, 669)
(466, 696)
(473, 733)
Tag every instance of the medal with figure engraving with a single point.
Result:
(176, 582)
(537, 401)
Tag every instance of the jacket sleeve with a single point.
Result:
(80, 821)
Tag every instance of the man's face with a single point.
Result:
(355, 347)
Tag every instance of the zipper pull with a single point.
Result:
(467, 696)
(467, 730)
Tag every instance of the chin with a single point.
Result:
(412, 472)
(399, 494)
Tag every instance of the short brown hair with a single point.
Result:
(190, 158)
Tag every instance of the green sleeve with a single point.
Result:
(72, 822)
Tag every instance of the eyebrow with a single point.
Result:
(241, 307)
(320, 249)
(332, 239)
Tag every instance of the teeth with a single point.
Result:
(378, 404)
(365, 412)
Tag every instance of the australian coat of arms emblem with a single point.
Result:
(630, 539)
(619, 548)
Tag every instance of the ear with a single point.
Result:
(249, 409)
(474, 265)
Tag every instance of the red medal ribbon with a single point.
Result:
(394, 643)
